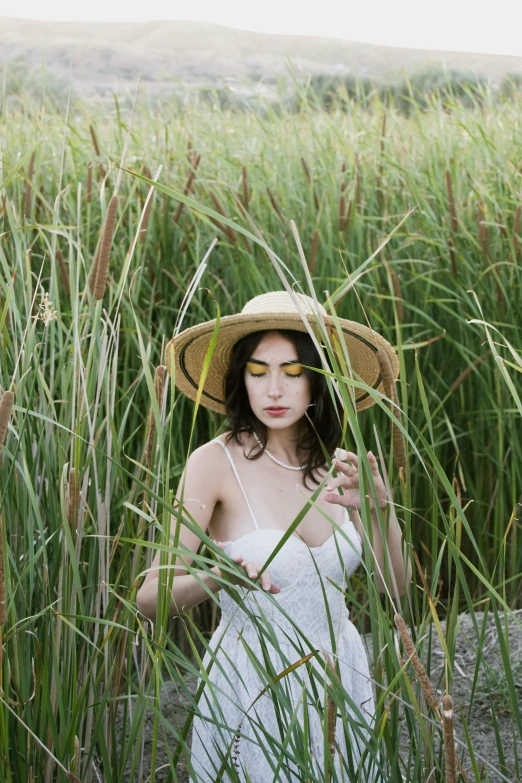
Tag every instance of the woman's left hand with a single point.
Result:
(348, 480)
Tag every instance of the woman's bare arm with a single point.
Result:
(203, 481)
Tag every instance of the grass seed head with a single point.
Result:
(417, 664)
(313, 251)
(63, 272)
(29, 187)
(449, 739)
(6, 406)
(105, 248)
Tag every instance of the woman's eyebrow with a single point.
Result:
(283, 364)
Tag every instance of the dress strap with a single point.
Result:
(227, 452)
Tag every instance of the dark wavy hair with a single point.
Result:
(324, 417)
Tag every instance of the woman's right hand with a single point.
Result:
(252, 571)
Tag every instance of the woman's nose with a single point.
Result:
(275, 388)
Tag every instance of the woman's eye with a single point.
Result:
(254, 370)
(295, 370)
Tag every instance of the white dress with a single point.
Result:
(272, 731)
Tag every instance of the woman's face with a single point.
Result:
(277, 386)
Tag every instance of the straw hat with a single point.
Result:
(271, 311)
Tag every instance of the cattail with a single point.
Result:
(73, 500)
(449, 739)
(159, 384)
(399, 446)
(500, 293)
(348, 223)
(105, 248)
(465, 373)
(97, 149)
(342, 206)
(94, 270)
(64, 273)
(231, 234)
(275, 205)
(6, 406)
(189, 183)
(502, 227)
(313, 251)
(2, 578)
(398, 295)
(28, 186)
(453, 255)
(516, 230)
(88, 189)
(244, 184)
(4, 203)
(418, 667)
(309, 180)
(451, 200)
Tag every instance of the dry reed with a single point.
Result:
(449, 739)
(88, 187)
(399, 447)
(417, 664)
(148, 208)
(63, 272)
(451, 200)
(230, 233)
(465, 373)
(276, 206)
(189, 184)
(313, 251)
(29, 186)
(187, 237)
(244, 186)
(105, 248)
(397, 292)
(159, 385)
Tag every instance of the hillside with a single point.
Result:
(109, 55)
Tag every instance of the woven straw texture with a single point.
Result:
(186, 352)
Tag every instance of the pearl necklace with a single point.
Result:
(278, 461)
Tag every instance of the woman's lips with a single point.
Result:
(276, 411)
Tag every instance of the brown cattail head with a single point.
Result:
(189, 183)
(6, 406)
(231, 234)
(88, 188)
(418, 667)
(159, 386)
(313, 251)
(105, 248)
(453, 255)
(63, 272)
(357, 182)
(451, 201)
(397, 292)
(275, 205)
(97, 149)
(148, 209)
(342, 212)
(449, 739)
(399, 447)
(28, 186)
(517, 244)
(73, 500)
(244, 186)
(2, 577)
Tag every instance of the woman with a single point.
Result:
(245, 488)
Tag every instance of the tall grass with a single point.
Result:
(96, 443)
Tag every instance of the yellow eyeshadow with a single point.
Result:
(293, 369)
(256, 369)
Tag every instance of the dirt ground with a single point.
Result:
(490, 687)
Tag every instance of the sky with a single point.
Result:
(459, 25)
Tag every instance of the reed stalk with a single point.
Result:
(459, 380)
(517, 244)
(399, 446)
(228, 230)
(88, 187)
(3, 613)
(310, 183)
(159, 386)
(276, 206)
(454, 224)
(29, 187)
(96, 146)
(453, 255)
(397, 292)
(6, 407)
(449, 739)
(102, 266)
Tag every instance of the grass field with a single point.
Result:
(412, 224)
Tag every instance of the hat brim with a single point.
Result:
(187, 351)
